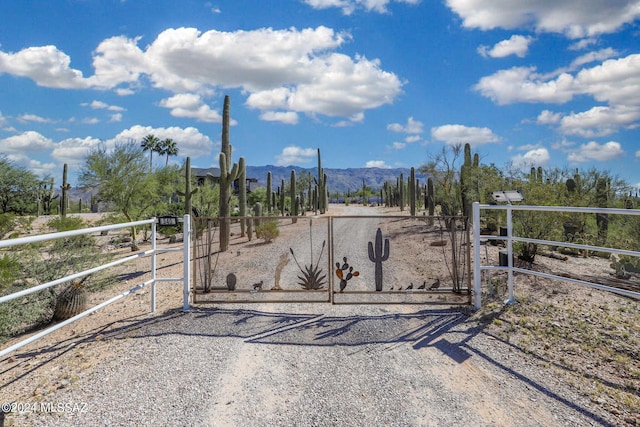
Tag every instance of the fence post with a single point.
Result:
(511, 299)
(476, 256)
(153, 266)
(186, 239)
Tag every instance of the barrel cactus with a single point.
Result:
(71, 301)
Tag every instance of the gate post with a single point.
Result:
(511, 299)
(186, 280)
(476, 256)
(153, 265)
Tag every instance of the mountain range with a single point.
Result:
(338, 180)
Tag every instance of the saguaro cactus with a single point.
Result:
(65, 187)
(401, 191)
(412, 192)
(269, 190)
(188, 192)
(228, 174)
(378, 255)
(242, 196)
(48, 197)
(322, 197)
(292, 195)
(282, 198)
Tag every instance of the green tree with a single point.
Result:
(259, 194)
(150, 143)
(120, 178)
(443, 168)
(18, 188)
(167, 147)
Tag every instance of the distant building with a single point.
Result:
(213, 176)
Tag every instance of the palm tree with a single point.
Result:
(168, 147)
(150, 143)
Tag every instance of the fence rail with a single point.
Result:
(151, 252)
(510, 238)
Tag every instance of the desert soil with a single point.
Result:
(564, 355)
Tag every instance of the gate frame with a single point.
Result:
(331, 259)
(153, 252)
(510, 238)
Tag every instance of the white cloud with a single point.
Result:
(189, 140)
(191, 106)
(594, 151)
(34, 118)
(73, 151)
(459, 134)
(118, 61)
(547, 117)
(289, 117)
(398, 145)
(523, 84)
(45, 65)
(350, 6)
(286, 70)
(412, 127)
(516, 45)
(91, 121)
(117, 117)
(25, 142)
(99, 105)
(638, 154)
(584, 43)
(599, 121)
(533, 157)
(559, 16)
(292, 155)
(377, 164)
(595, 56)
(614, 81)
(413, 138)
(33, 165)
(564, 145)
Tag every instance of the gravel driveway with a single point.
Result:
(316, 365)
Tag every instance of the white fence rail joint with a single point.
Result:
(153, 252)
(479, 240)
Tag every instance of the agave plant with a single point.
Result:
(312, 277)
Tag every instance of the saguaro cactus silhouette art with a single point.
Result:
(378, 256)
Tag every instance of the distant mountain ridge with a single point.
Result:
(338, 180)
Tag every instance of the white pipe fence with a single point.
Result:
(479, 240)
(185, 279)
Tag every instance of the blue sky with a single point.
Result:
(372, 83)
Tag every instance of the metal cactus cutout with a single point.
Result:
(378, 256)
(340, 272)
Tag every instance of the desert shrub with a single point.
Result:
(11, 225)
(67, 223)
(9, 271)
(268, 230)
(23, 314)
(70, 243)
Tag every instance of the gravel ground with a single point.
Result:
(315, 366)
(312, 365)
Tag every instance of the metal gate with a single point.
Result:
(336, 259)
